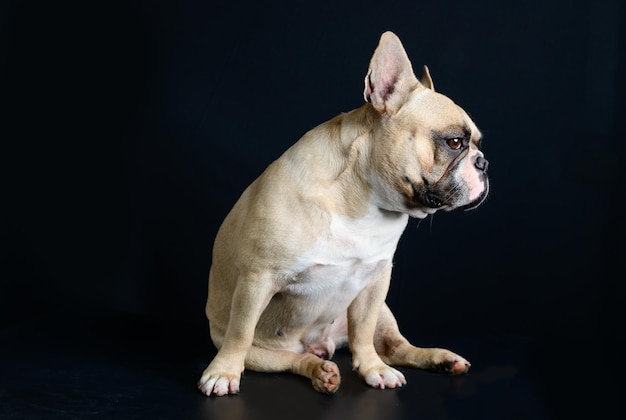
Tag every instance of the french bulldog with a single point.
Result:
(301, 265)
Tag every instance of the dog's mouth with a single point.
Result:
(425, 197)
(447, 199)
(438, 197)
(429, 199)
(478, 200)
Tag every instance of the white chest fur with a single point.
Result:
(345, 258)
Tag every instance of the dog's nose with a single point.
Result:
(481, 164)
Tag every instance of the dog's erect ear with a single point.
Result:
(426, 80)
(390, 77)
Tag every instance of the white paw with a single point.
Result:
(384, 377)
(218, 384)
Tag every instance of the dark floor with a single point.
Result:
(129, 367)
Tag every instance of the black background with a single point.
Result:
(131, 128)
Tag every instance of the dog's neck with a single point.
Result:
(342, 174)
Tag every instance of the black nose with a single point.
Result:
(481, 164)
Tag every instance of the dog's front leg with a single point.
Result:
(362, 318)
(250, 298)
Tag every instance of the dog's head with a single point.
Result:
(426, 148)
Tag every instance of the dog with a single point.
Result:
(301, 265)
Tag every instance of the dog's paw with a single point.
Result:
(384, 376)
(218, 384)
(447, 362)
(326, 377)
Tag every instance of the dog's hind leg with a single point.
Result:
(324, 374)
(396, 350)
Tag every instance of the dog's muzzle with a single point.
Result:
(438, 196)
(481, 164)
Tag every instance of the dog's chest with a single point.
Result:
(347, 256)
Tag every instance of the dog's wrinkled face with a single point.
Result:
(431, 156)
(426, 147)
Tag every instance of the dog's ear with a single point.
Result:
(426, 80)
(390, 77)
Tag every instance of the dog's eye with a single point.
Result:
(455, 143)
